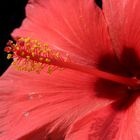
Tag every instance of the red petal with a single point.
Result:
(109, 123)
(123, 19)
(39, 104)
(73, 26)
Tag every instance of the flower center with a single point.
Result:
(32, 55)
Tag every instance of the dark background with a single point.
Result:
(12, 13)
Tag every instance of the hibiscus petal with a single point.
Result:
(41, 103)
(112, 122)
(123, 19)
(36, 106)
(74, 27)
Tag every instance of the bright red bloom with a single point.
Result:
(79, 102)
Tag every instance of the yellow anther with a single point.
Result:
(17, 48)
(40, 58)
(27, 44)
(38, 43)
(22, 54)
(21, 39)
(36, 46)
(28, 57)
(47, 60)
(33, 54)
(9, 56)
(46, 45)
(26, 39)
(35, 41)
(44, 51)
(48, 50)
(49, 70)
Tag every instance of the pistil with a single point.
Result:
(32, 55)
(130, 82)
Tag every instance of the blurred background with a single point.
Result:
(12, 13)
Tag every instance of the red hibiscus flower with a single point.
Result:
(96, 95)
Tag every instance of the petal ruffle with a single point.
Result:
(39, 104)
(76, 27)
(123, 19)
(112, 122)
